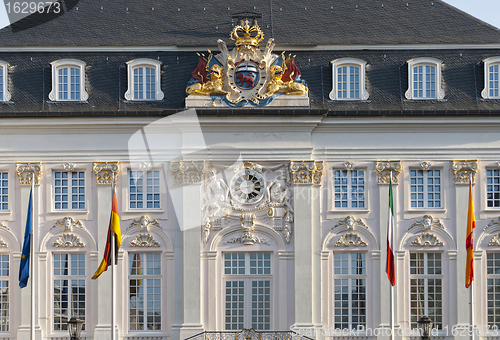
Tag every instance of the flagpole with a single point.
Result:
(392, 287)
(32, 260)
(112, 272)
(471, 291)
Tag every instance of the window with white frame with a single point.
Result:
(493, 288)
(247, 291)
(426, 288)
(4, 293)
(425, 188)
(69, 190)
(145, 291)
(349, 290)
(68, 80)
(348, 80)
(144, 189)
(4, 191)
(493, 188)
(349, 189)
(424, 79)
(491, 82)
(69, 289)
(4, 92)
(144, 80)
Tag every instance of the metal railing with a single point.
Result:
(248, 334)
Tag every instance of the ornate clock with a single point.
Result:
(247, 186)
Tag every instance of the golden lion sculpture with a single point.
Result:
(213, 87)
(276, 85)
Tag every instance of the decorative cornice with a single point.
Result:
(426, 166)
(144, 240)
(105, 171)
(68, 240)
(144, 222)
(187, 172)
(427, 239)
(68, 223)
(350, 222)
(384, 169)
(350, 239)
(427, 222)
(349, 165)
(25, 172)
(495, 241)
(307, 172)
(463, 170)
(69, 167)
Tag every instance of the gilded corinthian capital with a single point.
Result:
(307, 172)
(25, 172)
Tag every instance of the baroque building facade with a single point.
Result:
(252, 191)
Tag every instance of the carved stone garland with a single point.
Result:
(105, 172)
(463, 170)
(25, 172)
(350, 222)
(68, 223)
(144, 222)
(427, 222)
(350, 239)
(426, 239)
(144, 240)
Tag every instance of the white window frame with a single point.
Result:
(248, 279)
(5, 68)
(144, 185)
(349, 276)
(492, 184)
(425, 187)
(69, 190)
(67, 63)
(133, 64)
(490, 277)
(145, 276)
(424, 62)
(349, 189)
(486, 91)
(5, 321)
(363, 92)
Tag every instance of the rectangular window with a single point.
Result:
(349, 271)
(69, 289)
(424, 81)
(4, 191)
(426, 288)
(493, 288)
(69, 83)
(1, 83)
(348, 82)
(145, 291)
(69, 190)
(425, 187)
(493, 188)
(493, 81)
(349, 189)
(247, 291)
(144, 83)
(144, 189)
(4, 293)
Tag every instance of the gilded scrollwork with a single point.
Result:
(3, 244)
(385, 169)
(187, 172)
(426, 239)
(25, 172)
(144, 240)
(68, 223)
(68, 240)
(105, 172)
(69, 166)
(495, 241)
(350, 239)
(307, 172)
(464, 170)
(427, 222)
(145, 222)
(350, 222)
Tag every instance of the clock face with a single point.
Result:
(247, 186)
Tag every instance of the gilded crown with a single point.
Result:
(247, 35)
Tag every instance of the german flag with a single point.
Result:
(113, 231)
(471, 224)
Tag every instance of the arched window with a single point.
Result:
(348, 80)
(68, 80)
(424, 79)
(143, 80)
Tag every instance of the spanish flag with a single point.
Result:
(113, 231)
(471, 224)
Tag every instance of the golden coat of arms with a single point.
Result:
(246, 74)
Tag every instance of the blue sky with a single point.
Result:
(486, 10)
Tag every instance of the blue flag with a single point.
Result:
(24, 269)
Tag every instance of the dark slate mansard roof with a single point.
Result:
(196, 26)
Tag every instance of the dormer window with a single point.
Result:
(143, 80)
(424, 79)
(491, 82)
(4, 92)
(348, 80)
(68, 80)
